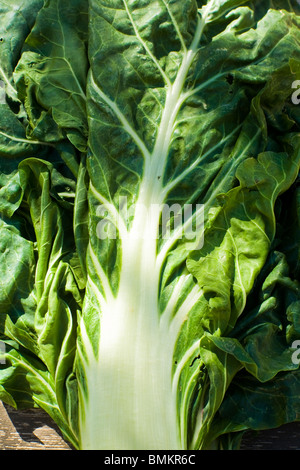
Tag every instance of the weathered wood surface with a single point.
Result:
(286, 437)
(28, 430)
(35, 430)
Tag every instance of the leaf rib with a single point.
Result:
(176, 26)
(200, 159)
(126, 125)
(152, 57)
(100, 273)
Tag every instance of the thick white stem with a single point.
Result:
(131, 404)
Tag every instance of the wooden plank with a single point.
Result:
(35, 430)
(28, 430)
(285, 437)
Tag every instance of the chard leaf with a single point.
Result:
(148, 150)
(49, 74)
(16, 23)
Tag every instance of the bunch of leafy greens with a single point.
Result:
(131, 331)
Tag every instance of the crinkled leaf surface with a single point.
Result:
(149, 201)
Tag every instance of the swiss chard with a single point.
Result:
(149, 151)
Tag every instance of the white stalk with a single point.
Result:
(131, 404)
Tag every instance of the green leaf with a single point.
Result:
(149, 203)
(16, 23)
(51, 74)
